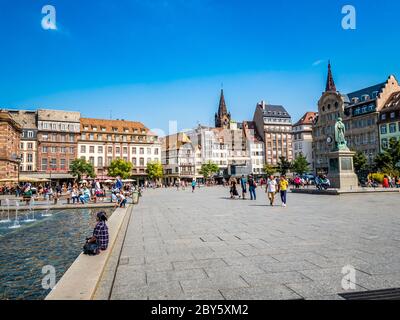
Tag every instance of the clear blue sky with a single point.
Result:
(160, 60)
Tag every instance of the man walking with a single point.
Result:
(271, 189)
(243, 184)
(252, 188)
(283, 184)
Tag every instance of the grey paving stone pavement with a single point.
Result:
(202, 245)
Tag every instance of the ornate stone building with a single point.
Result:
(28, 146)
(359, 111)
(10, 134)
(102, 141)
(389, 121)
(302, 137)
(178, 158)
(255, 147)
(58, 133)
(274, 124)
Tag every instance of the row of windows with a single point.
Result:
(29, 146)
(64, 150)
(57, 137)
(110, 149)
(28, 167)
(28, 134)
(364, 109)
(278, 129)
(116, 138)
(393, 128)
(57, 126)
(134, 161)
(391, 115)
(365, 97)
(53, 164)
(385, 143)
(27, 158)
(114, 129)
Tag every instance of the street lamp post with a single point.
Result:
(19, 160)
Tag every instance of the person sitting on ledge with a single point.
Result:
(85, 197)
(100, 232)
(121, 200)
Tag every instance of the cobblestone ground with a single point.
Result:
(181, 245)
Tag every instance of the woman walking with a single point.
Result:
(233, 190)
(283, 184)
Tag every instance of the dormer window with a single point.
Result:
(375, 94)
(365, 97)
(86, 128)
(355, 100)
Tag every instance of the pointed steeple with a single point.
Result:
(222, 117)
(222, 110)
(330, 83)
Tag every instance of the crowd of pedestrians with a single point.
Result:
(273, 186)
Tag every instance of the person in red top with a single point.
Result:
(385, 182)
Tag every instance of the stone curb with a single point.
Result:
(80, 281)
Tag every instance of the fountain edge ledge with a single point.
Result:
(80, 281)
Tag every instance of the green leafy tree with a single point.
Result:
(81, 167)
(389, 160)
(283, 166)
(121, 168)
(300, 165)
(360, 162)
(208, 169)
(154, 170)
(269, 170)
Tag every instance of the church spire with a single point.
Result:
(222, 110)
(222, 117)
(330, 83)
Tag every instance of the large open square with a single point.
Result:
(203, 245)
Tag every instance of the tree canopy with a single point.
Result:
(389, 160)
(300, 165)
(360, 162)
(154, 170)
(269, 170)
(121, 168)
(283, 166)
(208, 169)
(81, 167)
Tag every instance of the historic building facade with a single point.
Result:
(57, 137)
(10, 134)
(102, 141)
(28, 145)
(178, 158)
(255, 147)
(302, 137)
(389, 121)
(359, 111)
(274, 124)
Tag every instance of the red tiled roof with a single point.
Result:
(308, 118)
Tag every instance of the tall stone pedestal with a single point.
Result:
(341, 170)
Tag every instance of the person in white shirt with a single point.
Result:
(271, 189)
